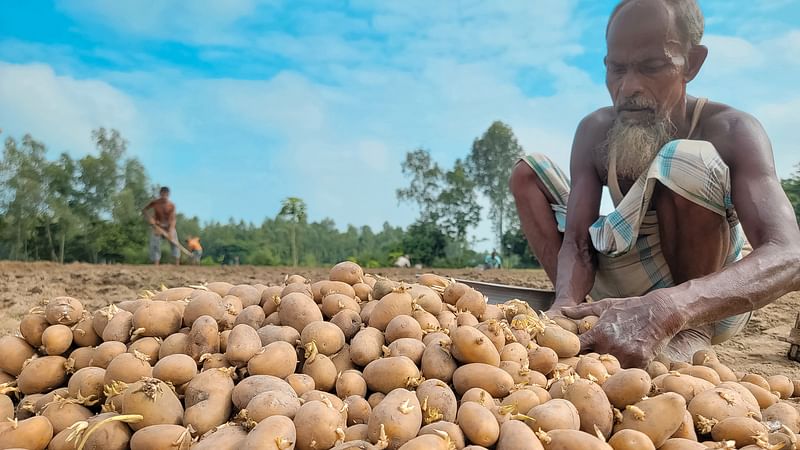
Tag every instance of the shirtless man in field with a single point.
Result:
(689, 178)
(163, 218)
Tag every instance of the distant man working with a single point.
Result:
(193, 245)
(163, 222)
(669, 259)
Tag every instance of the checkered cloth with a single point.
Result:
(630, 260)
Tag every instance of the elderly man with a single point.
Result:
(689, 178)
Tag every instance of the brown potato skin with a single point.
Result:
(366, 346)
(87, 382)
(627, 387)
(106, 352)
(317, 421)
(663, 415)
(42, 375)
(515, 435)
(742, 430)
(161, 408)
(157, 319)
(401, 425)
(387, 374)
(33, 433)
(298, 310)
(573, 440)
(564, 343)
(593, 406)
(472, 346)
(32, 326)
(478, 423)
(557, 414)
(437, 362)
(631, 440)
(176, 369)
(494, 380)
(119, 327)
(682, 444)
(278, 359)
(203, 338)
(269, 432)
(14, 351)
(436, 396)
(208, 400)
(226, 438)
(171, 437)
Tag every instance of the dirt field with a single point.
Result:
(23, 285)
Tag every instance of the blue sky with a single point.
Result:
(238, 104)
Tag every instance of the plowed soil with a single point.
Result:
(758, 349)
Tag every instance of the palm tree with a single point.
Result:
(293, 209)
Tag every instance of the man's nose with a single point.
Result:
(630, 85)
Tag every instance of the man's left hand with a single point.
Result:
(635, 329)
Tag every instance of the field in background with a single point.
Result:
(23, 285)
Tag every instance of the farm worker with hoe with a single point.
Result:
(689, 178)
(163, 224)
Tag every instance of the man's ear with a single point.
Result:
(696, 58)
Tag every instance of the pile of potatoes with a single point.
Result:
(359, 362)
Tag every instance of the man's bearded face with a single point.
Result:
(638, 133)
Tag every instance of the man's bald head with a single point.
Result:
(685, 14)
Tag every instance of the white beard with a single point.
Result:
(637, 144)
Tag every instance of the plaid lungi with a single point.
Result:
(630, 260)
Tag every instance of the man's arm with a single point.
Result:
(773, 268)
(576, 259)
(147, 215)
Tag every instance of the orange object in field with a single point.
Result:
(193, 244)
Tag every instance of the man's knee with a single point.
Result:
(670, 202)
(522, 176)
(524, 180)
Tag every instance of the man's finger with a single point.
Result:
(585, 309)
(587, 341)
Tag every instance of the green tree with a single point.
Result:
(22, 201)
(424, 242)
(425, 185)
(791, 186)
(490, 162)
(293, 209)
(458, 209)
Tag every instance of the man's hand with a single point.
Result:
(635, 329)
(555, 308)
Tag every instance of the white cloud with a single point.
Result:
(60, 109)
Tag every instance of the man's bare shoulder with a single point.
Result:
(737, 135)
(591, 136)
(596, 124)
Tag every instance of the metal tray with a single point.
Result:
(539, 299)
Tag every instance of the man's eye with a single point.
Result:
(652, 68)
(618, 69)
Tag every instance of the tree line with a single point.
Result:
(89, 209)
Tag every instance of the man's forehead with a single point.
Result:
(640, 29)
